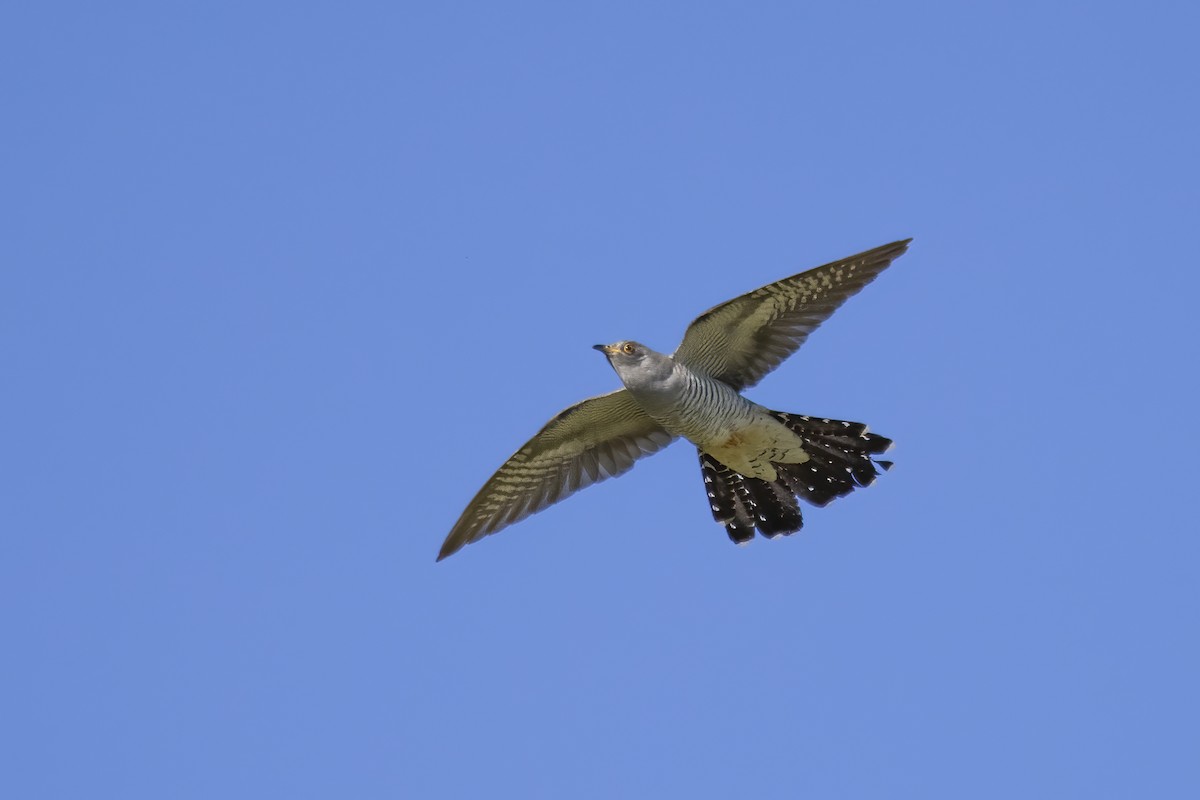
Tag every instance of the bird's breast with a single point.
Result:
(705, 411)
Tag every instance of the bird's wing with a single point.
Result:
(599, 438)
(741, 340)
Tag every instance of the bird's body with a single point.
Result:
(755, 462)
(709, 413)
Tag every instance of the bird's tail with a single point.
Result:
(839, 461)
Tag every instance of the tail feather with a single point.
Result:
(775, 507)
(839, 461)
(728, 499)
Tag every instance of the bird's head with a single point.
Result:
(623, 352)
(635, 363)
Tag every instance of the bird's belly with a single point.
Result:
(750, 449)
(737, 432)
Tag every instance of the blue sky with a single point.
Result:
(282, 284)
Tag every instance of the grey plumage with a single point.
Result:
(754, 461)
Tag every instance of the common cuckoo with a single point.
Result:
(755, 462)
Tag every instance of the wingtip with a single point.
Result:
(885, 253)
(890, 252)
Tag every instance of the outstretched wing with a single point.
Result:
(740, 341)
(599, 438)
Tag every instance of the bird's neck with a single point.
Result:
(657, 384)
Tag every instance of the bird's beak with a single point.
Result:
(607, 349)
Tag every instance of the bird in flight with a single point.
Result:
(755, 462)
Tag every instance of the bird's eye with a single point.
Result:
(628, 348)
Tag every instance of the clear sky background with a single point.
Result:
(281, 285)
